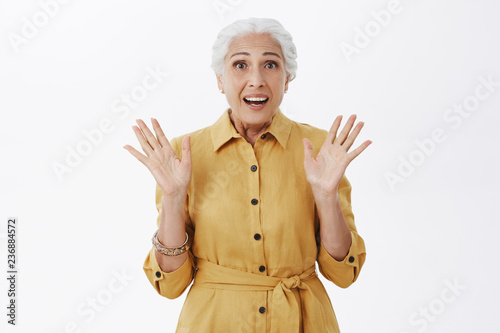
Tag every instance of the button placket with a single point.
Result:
(254, 201)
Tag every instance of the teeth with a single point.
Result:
(255, 99)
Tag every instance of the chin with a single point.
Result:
(257, 117)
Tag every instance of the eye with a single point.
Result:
(271, 65)
(239, 65)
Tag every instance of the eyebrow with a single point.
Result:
(265, 53)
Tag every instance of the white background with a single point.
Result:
(436, 225)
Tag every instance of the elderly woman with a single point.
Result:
(249, 204)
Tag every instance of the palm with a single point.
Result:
(171, 173)
(327, 168)
(325, 172)
(168, 169)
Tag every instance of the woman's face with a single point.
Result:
(254, 67)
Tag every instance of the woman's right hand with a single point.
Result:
(171, 173)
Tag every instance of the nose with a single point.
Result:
(256, 77)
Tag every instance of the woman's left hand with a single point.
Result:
(325, 172)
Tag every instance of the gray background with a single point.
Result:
(431, 229)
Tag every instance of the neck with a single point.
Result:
(249, 132)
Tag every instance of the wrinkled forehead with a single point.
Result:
(254, 44)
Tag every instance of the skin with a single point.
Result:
(324, 174)
(252, 73)
(253, 64)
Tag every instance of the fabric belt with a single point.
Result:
(284, 304)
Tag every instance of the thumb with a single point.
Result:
(186, 150)
(308, 151)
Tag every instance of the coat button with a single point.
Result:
(253, 168)
(256, 236)
(158, 274)
(262, 309)
(351, 259)
(262, 268)
(254, 201)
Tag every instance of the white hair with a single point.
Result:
(254, 25)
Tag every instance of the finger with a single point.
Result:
(308, 151)
(333, 130)
(148, 134)
(353, 154)
(142, 158)
(354, 134)
(186, 151)
(142, 140)
(345, 131)
(159, 133)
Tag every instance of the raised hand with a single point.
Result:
(325, 172)
(171, 173)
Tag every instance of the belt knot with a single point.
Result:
(291, 282)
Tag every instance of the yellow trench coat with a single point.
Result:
(255, 232)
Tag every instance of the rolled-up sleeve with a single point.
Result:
(172, 284)
(345, 272)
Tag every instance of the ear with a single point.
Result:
(219, 81)
(286, 82)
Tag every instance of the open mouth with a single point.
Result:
(255, 101)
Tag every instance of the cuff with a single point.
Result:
(160, 276)
(351, 259)
(172, 284)
(346, 271)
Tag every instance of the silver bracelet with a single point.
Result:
(169, 251)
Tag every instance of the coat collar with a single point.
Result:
(223, 130)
